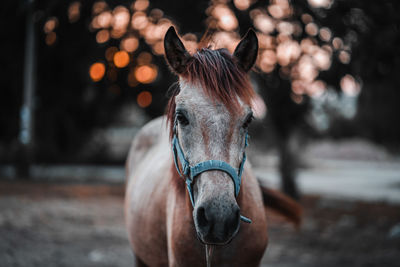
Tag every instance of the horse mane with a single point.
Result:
(221, 78)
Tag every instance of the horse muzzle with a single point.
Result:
(216, 223)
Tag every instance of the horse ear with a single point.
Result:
(175, 52)
(247, 50)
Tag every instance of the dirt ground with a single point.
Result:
(82, 225)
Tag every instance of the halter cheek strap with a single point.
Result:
(189, 172)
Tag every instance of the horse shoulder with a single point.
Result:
(147, 180)
(145, 139)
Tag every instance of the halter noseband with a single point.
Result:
(190, 172)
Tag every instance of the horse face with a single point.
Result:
(208, 130)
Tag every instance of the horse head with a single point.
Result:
(209, 115)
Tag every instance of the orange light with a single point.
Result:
(51, 38)
(242, 4)
(144, 99)
(129, 44)
(50, 25)
(139, 20)
(104, 19)
(120, 18)
(158, 48)
(121, 59)
(132, 82)
(97, 71)
(102, 36)
(146, 73)
(74, 11)
(140, 5)
(99, 7)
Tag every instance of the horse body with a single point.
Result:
(159, 214)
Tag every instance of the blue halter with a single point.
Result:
(190, 172)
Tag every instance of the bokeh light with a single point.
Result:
(104, 19)
(344, 57)
(285, 27)
(306, 18)
(320, 3)
(280, 9)
(325, 34)
(311, 29)
(226, 18)
(74, 12)
(349, 85)
(267, 61)
(158, 48)
(242, 4)
(129, 44)
(258, 106)
(337, 43)
(51, 38)
(144, 99)
(321, 58)
(292, 47)
(132, 82)
(287, 52)
(97, 71)
(140, 5)
(102, 36)
(139, 21)
(146, 73)
(50, 25)
(120, 18)
(316, 88)
(264, 23)
(98, 7)
(121, 59)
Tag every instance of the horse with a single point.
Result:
(188, 182)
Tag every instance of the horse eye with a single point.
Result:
(248, 121)
(182, 119)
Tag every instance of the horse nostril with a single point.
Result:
(233, 221)
(237, 214)
(201, 217)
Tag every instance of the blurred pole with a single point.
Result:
(26, 113)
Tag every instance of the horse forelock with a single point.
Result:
(220, 77)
